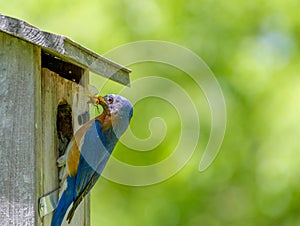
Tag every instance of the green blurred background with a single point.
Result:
(253, 49)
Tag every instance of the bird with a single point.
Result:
(88, 153)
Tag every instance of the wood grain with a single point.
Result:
(18, 130)
(55, 90)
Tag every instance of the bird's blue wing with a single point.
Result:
(93, 157)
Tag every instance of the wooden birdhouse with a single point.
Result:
(40, 111)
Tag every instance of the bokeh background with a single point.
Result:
(252, 47)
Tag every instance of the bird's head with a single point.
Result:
(120, 111)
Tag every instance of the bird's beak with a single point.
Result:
(102, 102)
(99, 100)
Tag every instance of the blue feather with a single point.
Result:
(64, 202)
(95, 152)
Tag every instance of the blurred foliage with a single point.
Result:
(253, 49)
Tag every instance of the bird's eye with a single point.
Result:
(110, 100)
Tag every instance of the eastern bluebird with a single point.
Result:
(89, 151)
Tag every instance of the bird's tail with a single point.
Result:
(64, 202)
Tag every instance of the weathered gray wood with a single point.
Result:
(19, 129)
(66, 49)
(49, 136)
(55, 90)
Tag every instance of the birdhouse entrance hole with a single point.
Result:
(64, 126)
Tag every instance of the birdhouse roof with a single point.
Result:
(65, 49)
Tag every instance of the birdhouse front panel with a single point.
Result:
(60, 113)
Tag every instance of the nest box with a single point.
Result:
(39, 112)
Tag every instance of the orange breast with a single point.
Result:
(74, 152)
(73, 159)
(105, 121)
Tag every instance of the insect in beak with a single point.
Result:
(101, 101)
